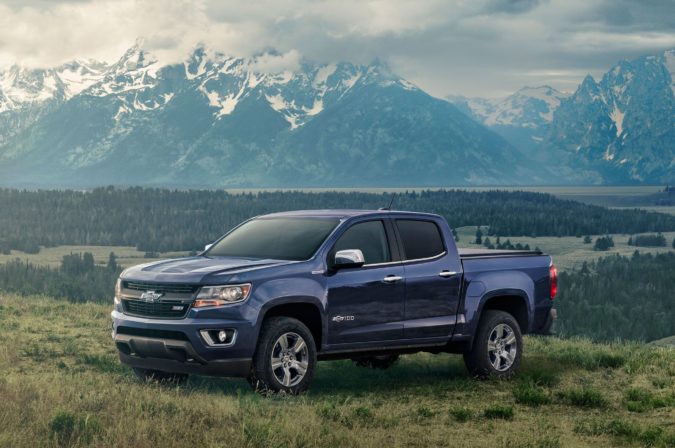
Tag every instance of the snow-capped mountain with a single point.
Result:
(216, 120)
(621, 129)
(26, 95)
(522, 118)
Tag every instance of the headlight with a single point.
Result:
(222, 295)
(118, 291)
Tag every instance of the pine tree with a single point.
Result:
(604, 243)
(112, 262)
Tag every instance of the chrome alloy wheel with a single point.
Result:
(290, 359)
(502, 347)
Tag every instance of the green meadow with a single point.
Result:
(61, 385)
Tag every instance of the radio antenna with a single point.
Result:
(391, 201)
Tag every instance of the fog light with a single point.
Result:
(219, 338)
(222, 336)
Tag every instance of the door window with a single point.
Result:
(421, 239)
(370, 237)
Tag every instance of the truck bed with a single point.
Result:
(493, 253)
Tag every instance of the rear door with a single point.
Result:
(366, 304)
(433, 279)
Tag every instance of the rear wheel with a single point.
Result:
(376, 362)
(156, 376)
(285, 358)
(498, 346)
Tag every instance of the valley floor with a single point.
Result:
(568, 252)
(61, 384)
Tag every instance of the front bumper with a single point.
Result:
(177, 345)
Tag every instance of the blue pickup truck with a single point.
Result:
(282, 291)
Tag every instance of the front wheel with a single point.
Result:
(498, 346)
(285, 358)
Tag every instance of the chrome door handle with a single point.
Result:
(447, 274)
(392, 279)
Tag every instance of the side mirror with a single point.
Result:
(349, 258)
(207, 247)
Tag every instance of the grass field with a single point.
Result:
(568, 252)
(51, 256)
(62, 385)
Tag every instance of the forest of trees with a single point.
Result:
(616, 297)
(159, 220)
(652, 240)
(619, 298)
(77, 278)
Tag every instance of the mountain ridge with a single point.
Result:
(216, 120)
(618, 130)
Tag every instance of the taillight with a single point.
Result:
(553, 277)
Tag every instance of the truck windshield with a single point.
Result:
(275, 238)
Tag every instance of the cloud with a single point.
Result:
(277, 63)
(478, 47)
(511, 6)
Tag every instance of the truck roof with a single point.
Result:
(342, 213)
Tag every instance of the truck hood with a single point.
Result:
(196, 269)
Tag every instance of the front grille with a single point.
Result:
(148, 333)
(166, 288)
(166, 309)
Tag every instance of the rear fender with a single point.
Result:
(490, 286)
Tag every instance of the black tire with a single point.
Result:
(376, 362)
(493, 354)
(264, 377)
(156, 376)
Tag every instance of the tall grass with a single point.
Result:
(62, 385)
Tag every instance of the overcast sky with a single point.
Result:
(475, 48)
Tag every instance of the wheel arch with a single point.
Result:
(303, 309)
(512, 301)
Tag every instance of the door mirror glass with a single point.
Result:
(349, 258)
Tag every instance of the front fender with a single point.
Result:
(290, 290)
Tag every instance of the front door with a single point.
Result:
(365, 304)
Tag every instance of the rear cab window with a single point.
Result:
(420, 239)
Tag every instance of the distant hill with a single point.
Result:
(665, 342)
(615, 297)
